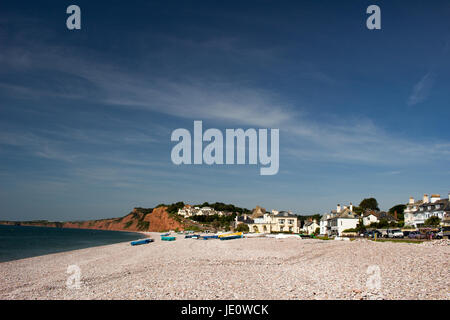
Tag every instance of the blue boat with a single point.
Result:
(188, 236)
(165, 238)
(142, 241)
(164, 234)
(213, 236)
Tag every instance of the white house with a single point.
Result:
(372, 216)
(340, 220)
(265, 222)
(189, 211)
(323, 223)
(417, 212)
(310, 226)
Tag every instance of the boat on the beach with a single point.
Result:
(254, 235)
(285, 236)
(212, 236)
(229, 236)
(165, 234)
(142, 241)
(167, 238)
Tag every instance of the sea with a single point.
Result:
(18, 242)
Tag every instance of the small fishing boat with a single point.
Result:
(142, 241)
(212, 236)
(165, 234)
(167, 238)
(285, 236)
(229, 236)
(254, 235)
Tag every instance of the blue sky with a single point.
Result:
(86, 116)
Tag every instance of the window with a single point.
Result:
(281, 221)
(291, 221)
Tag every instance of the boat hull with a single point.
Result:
(139, 242)
(209, 237)
(230, 236)
(165, 238)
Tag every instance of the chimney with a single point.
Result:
(351, 207)
(338, 208)
(425, 198)
(411, 200)
(435, 197)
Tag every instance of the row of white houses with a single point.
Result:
(189, 211)
(336, 221)
(417, 212)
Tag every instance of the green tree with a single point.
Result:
(369, 203)
(360, 227)
(432, 221)
(242, 227)
(173, 208)
(358, 210)
(400, 208)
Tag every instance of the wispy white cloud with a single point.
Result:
(421, 89)
(221, 102)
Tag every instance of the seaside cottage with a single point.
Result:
(339, 220)
(417, 212)
(371, 216)
(188, 211)
(310, 226)
(323, 224)
(261, 221)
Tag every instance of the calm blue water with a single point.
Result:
(17, 242)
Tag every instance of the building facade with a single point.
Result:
(372, 216)
(334, 223)
(189, 211)
(310, 226)
(417, 212)
(282, 221)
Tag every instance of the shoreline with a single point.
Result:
(10, 224)
(57, 242)
(248, 268)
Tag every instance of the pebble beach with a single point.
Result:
(248, 268)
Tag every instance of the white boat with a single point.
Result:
(285, 236)
(254, 235)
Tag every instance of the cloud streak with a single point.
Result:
(421, 89)
(88, 77)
